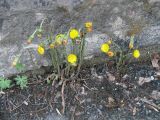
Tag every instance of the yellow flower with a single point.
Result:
(59, 38)
(58, 42)
(72, 58)
(30, 39)
(89, 29)
(88, 24)
(136, 53)
(105, 47)
(39, 35)
(64, 42)
(15, 61)
(109, 42)
(110, 53)
(73, 34)
(51, 45)
(131, 43)
(40, 50)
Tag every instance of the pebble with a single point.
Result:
(88, 100)
(152, 78)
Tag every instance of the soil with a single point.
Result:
(99, 93)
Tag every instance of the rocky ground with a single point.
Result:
(99, 93)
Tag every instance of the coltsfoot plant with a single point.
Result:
(113, 50)
(4, 83)
(66, 50)
(22, 81)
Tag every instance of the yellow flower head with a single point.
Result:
(30, 39)
(39, 35)
(109, 42)
(88, 24)
(59, 38)
(89, 29)
(110, 53)
(40, 50)
(15, 61)
(64, 42)
(136, 53)
(51, 45)
(73, 34)
(130, 45)
(105, 47)
(72, 58)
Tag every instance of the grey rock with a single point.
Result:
(111, 18)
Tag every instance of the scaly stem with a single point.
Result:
(57, 63)
(52, 57)
(42, 23)
(81, 54)
(120, 60)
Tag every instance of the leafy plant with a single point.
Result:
(65, 62)
(121, 55)
(20, 67)
(22, 81)
(4, 83)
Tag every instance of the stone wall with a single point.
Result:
(115, 18)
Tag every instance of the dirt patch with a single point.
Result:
(94, 95)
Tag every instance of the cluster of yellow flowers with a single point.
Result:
(105, 48)
(75, 35)
(136, 52)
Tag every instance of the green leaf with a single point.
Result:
(22, 81)
(20, 67)
(4, 83)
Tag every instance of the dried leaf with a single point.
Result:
(143, 80)
(155, 95)
(111, 77)
(125, 77)
(111, 103)
(157, 75)
(155, 61)
(134, 111)
(25, 102)
(151, 104)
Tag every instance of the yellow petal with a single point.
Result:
(51, 45)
